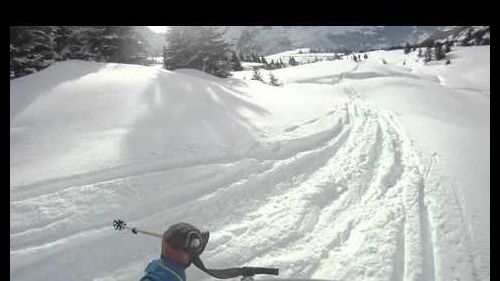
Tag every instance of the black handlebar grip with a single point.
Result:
(250, 271)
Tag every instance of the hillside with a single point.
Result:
(349, 171)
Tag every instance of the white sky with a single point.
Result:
(158, 29)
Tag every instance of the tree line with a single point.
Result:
(33, 48)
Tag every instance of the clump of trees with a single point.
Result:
(198, 47)
(292, 61)
(436, 51)
(33, 48)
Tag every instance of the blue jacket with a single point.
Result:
(164, 269)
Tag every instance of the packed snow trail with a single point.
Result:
(310, 177)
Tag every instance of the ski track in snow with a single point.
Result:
(339, 201)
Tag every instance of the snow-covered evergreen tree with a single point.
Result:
(35, 47)
(236, 62)
(31, 48)
(407, 48)
(428, 54)
(198, 47)
(438, 52)
(256, 75)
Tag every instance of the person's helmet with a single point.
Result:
(186, 236)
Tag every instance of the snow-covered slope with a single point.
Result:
(349, 171)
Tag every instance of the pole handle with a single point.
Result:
(135, 230)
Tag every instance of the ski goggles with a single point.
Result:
(187, 237)
(193, 240)
(196, 242)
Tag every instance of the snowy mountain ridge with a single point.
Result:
(272, 39)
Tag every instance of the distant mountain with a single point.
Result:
(463, 35)
(267, 40)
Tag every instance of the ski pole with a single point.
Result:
(246, 272)
(121, 225)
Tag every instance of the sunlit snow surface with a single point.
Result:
(349, 171)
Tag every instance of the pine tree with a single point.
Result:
(198, 47)
(31, 49)
(428, 54)
(256, 75)
(419, 52)
(438, 52)
(273, 80)
(215, 50)
(292, 61)
(263, 60)
(447, 47)
(236, 62)
(79, 42)
(36, 47)
(407, 48)
(63, 37)
(180, 51)
(465, 41)
(120, 44)
(272, 65)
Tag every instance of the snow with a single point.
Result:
(251, 65)
(349, 171)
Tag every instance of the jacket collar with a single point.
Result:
(173, 264)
